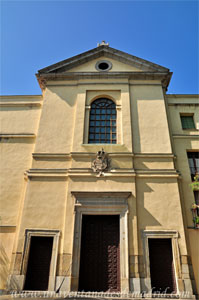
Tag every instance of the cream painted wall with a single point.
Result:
(57, 120)
(153, 163)
(149, 120)
(15, 160)
(175, 112)
(158, 207)
(19, 119)
(45, 200)
(44, 206)
(19, 116)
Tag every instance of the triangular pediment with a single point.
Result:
(86, 62)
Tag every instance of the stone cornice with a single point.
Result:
(20, 97)
(164, 77)
(101, 75)
(51, 155)
(182, 95)
(157, 173)
(60, 174)
(183, 104)
(20, 104)
(154, 155)
(87, 172)
(93, 154)
(106, 194)
(21, 101)
(17, 135)
(186, 136)
(78, 154)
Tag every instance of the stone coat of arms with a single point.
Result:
(101, 163)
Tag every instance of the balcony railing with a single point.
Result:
(193, 171)
(195, 214)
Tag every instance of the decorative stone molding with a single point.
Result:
(63, 174)
(101, 198)
(101, 163)
(108, 63)
(42, 83)
(163, 77)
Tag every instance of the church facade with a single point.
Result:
(96, 180)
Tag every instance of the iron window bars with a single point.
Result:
(102, 125)
(187, 122)
(193, 158)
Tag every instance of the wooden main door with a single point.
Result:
(161, 266)
(100, 254)
(37, 275)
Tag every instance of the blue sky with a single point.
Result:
(35, 34)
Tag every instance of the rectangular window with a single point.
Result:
(187, 122)
(193, 158)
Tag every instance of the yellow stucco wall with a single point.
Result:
(58, 124)
(149, 121)
(19, 122)
(19, 119)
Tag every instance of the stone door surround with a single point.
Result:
(102, 203)
(41, 233)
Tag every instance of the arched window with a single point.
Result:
(102, 125)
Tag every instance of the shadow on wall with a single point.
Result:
(68, 96)
(158, 198)
(13, 140)
(147, 109)
(145, 217)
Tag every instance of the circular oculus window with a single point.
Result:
(103, 65)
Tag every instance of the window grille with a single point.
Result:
(187, 122)
(102, 124)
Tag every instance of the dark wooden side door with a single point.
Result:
(161, 266)
(40, 253)
(100, 254)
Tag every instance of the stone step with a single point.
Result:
(36, 296)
